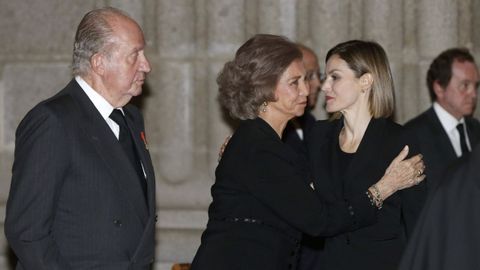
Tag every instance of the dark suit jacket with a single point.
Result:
(378, 246)
(75, 200)
(435, 146)
(447, 236)
(261, 204)
(290, 135)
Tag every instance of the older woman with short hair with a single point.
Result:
(262, 198)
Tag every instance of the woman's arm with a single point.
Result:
(278, 184)
(401, 174)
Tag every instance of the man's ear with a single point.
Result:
(366, 81)
(438, 90)
(97, 62)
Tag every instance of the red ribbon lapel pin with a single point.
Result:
(144, 139)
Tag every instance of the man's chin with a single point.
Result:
(136, 92)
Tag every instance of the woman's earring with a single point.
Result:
(264, 109)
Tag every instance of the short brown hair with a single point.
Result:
(250, 79)
(440, 69)
(369, 57)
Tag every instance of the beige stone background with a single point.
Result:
(188, 41)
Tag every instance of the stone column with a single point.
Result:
(170, 104)
(408, 105)
(277, 17)
(329, 24)
(437, 30)
(226, 32)
(387, 14)
(475, 9)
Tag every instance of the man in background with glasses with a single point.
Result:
(296, 130)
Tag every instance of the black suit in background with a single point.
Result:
(447, 233)
(435, 146)
(75, 200)
(261, 204)
(380, 245)
(290, 135)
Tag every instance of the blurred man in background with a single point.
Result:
(296, 129)
(447, 130)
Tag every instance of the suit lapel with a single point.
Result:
(363, 157)
(333, 149)
(138, 135)
(472, 132)
(110, 151)
(440, 136)
(324, 161)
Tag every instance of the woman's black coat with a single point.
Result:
(380, 245)
(262, 202)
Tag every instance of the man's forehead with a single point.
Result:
(465, 69)
(310, 60)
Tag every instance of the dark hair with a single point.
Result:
(369, 57)
(94, 34)
(250, 79)
(440, 69)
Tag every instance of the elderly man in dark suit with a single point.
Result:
(447, 130)
(82, 192)
(295, 132)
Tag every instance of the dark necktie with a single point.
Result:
(128, 145)
(463, 141)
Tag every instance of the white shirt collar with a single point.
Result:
(449, 122)
(102, 105)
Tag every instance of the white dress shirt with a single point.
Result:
(449, 124)
(104, 108)
(102, 105)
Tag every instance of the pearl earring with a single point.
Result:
(264, 109)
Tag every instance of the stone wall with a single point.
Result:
(188, 42)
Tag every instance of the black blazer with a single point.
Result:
(380, 245)
(446, 236)
(75, 200)
(309, 244)
(261, 204)
(435, 146)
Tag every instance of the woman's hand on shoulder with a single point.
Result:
(401, 173)
(222, 148)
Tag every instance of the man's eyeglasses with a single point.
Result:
(314, 75)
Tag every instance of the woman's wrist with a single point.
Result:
(385, 189)
(379, 192)
(375, 197)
